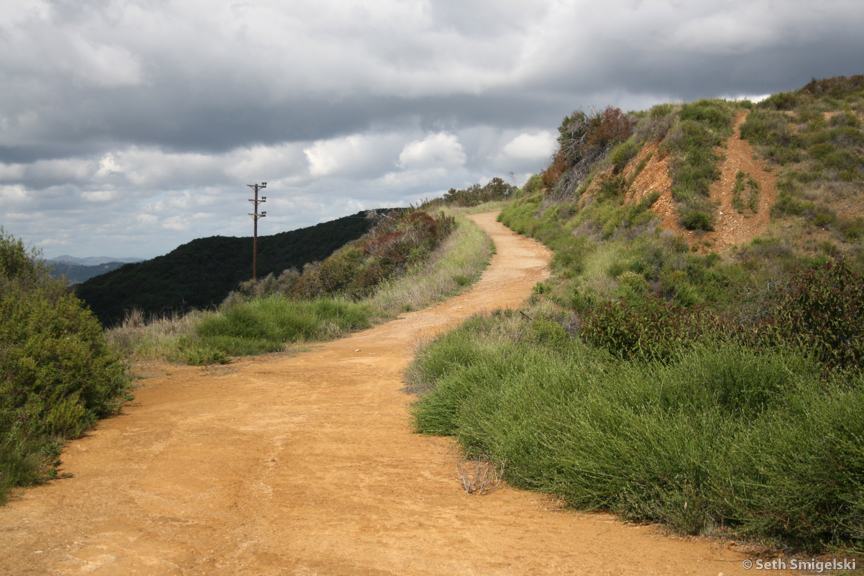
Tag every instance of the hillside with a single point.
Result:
(203, 272)
(719, 174)
(697, 357)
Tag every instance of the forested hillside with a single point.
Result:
(203, 272)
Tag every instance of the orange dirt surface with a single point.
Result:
(731, 227)
(306, 464)
(654, 177)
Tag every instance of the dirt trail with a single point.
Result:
(306, 465)
(732, 227)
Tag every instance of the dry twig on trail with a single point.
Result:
(479, 476)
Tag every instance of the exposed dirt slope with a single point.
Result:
(306, 465)
(731, 226)
(653, 177)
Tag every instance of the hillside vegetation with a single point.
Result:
(675, 369)
(57, 373)
(201, 273)
(408, 260)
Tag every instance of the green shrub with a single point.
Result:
(712, 114)
(822, 310)
(697, 220)
(267, 324)
(648, 329)
(622, 154)
(494, 190)
(720, 438)
(533, 185)
(771, 131)
(57, 374)
(781, 101)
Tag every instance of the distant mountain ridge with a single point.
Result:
(77, 273)
(201, 273)
(91, 260)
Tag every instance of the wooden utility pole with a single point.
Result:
(255, 216)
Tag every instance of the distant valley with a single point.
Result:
(76, 270)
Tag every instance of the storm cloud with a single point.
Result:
(128, 127)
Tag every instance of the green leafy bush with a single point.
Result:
(622, 154)
(822, 310)
(693, 219)
(647, 329)
(57, 374)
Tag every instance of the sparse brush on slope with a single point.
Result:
(396, 242)
(701, 128)
(496, 189)
(57, 374)
(815, 136)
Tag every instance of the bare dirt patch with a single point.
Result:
(733, 227)
(654, 177)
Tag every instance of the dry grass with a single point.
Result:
(157, 339)
(479, 476)
(454, 265)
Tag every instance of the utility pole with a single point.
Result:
(255, 216)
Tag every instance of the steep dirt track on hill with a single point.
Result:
(306, 465)
(733, 228)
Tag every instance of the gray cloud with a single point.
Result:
(127, 127)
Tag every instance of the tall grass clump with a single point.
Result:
(267, 324)
(57, 373)
(721, 438)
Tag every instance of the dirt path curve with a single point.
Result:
(306, 465)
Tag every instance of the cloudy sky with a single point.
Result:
(129, 127)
